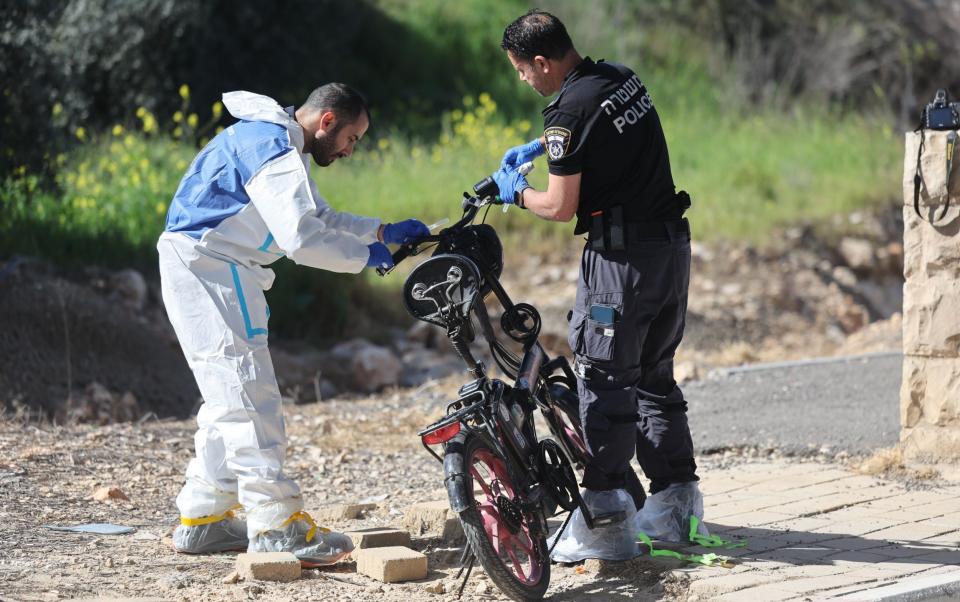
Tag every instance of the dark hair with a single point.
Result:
(343, 100)
(537, 33)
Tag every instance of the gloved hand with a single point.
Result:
(398, 233)
(379, 256)
(518, 155)
(510, 182)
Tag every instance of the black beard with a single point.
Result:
(323, 148)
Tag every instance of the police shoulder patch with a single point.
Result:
(558, 140)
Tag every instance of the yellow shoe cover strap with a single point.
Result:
(302, 515)
(213, 518)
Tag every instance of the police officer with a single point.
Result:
(610, 169)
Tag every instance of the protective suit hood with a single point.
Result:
(255, 107)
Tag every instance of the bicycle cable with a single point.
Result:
(506, 360)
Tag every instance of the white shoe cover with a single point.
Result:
(612, 542)
(666, 514)
(324, 548)
(221, 536)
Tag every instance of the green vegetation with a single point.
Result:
(748, 168)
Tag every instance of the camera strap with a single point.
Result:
(918, 179)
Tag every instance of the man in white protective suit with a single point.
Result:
(245, 201)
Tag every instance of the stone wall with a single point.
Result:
(930, 393)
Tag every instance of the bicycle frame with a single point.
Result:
(485, 406)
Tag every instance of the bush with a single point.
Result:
(99, 59)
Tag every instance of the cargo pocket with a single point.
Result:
(575, 332)
(598, 340)
(599, 337)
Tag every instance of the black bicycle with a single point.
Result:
(502, 480)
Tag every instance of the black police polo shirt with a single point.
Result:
(603, 126)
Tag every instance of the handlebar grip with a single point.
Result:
(402, 253)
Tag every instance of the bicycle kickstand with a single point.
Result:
(466, 561)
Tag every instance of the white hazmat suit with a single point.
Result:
(245, 201)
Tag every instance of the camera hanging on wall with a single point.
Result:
(939, 115)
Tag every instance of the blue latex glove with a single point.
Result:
(379, 256)
(510, 182)
(400, 232)
(518, 155)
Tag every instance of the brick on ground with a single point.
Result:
(268, 566)
(723, 584)
(378, 538)
(392, 564)
(434, 518)
(767, 593)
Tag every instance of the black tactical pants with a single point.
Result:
(629, 401)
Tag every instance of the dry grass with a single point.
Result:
(890, 463)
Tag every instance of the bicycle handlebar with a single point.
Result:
(406, 250)
(486, 193)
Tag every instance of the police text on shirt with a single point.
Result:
(624, 95)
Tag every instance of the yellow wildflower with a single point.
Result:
(57, 109)
(141, 111)
(184, 91)
(178, 117)
(217, 109)
(118, 130)
(81, 133)
(383, 144)
(193, 120)
(177, 132)
(161, 209)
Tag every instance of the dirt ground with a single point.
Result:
(802, 300)
(342, 451)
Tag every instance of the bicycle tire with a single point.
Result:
(478, 537)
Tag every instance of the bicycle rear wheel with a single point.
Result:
(497, 530)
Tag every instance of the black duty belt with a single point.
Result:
(610, 235)
(610, 231)
(636, 231)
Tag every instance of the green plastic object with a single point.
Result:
(710, 541)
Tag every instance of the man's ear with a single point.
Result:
(327, 119)
(542, 64)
